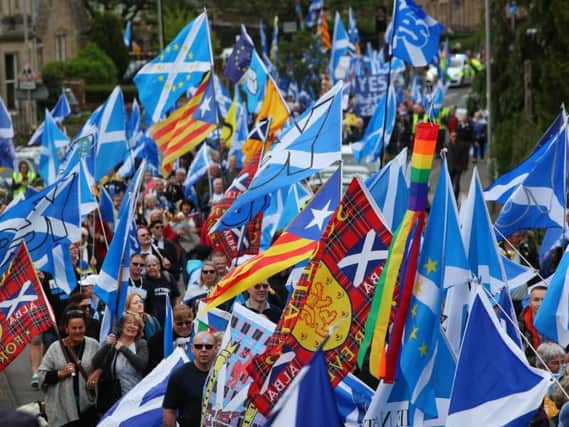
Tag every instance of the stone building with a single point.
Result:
(456, 15)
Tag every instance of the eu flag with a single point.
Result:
(240, 59)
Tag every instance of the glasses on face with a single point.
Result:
(262, 286)
(138, 264)
(159, 226)
(208, 271)
(184, 323)
(202, 346)
(143, 235)
(85, 307)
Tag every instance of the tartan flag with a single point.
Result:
(24, 312)
(334, 293)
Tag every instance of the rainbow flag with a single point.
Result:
(401, 265)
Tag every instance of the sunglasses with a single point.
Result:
(208, 271)
(158, 226)
(184, 323)
(202, 346)
(144, 235)
(85, 307)
(262, 286)
(138, 264)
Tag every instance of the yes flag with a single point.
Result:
(414, 36)
(24, 312)
(178, 68)
(487, 354)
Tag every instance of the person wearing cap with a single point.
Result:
(536, 295)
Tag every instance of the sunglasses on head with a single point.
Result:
(202, 346)
(183, 323)
(262, 286)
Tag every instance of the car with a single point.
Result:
(459, 70)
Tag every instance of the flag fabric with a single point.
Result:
(353, 397)
(334, 293)
(6, 128)
(168, 338)
(133, 124)
(517, 274)
(127, 35)
(178, 68)
(390, 190)
(309, 146)
(188, 125)
(437, 99)
(504, 186)
(309, 400)
(106, 207)
(401, 262)
(540, 200)
(341, 46)
(240, 58)
(353, 32)
(60, 111)
(414, 36)
(7, 152)
(488, 353)
(143, 403)
(379, 129)
(297, 243)
(274, 107)
(264, 44)
(144, 148)
(275, 42)
(254, 82)
(323, 31)
(479, 239)
(552, 319)
(422, 330)
(198, 168)
(49, 155)
(24, 311)
(507, 316)
(215, 320)
(60, 265)
(314, 12)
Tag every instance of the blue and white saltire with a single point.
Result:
(61, 110)
(168, 338)
(240, 132)
(298, 406)
(6, 127)
(115, 266)
(488, 353)
(539, 202)
(416, 94)
(178, 68)
(479, 239)
(416, 35)
(143, 404)
(144, 148)
(504, 186)
(127, 36)
(51, 137)
(341, 46)
(552, 318)
(106, 208)
(133, 123)
(422, 330)
(353, 397)
(254, 82)
(60, 265)
(314, 12)
(507, 316)
(353, 32)
(308, 146)
(390, 190)
(437, 100)
(222, 98)
(379, 129)
(49, 218)
(517, 274)
(198, 168)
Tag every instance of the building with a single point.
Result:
(33, 33)
(455, 15)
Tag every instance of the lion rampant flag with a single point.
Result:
(334, 293)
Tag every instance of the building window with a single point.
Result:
(60, 47)
(11, 74)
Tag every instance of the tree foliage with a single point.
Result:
(107, 34)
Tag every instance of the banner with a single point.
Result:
(367, 91)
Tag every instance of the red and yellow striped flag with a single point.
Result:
(323, 31)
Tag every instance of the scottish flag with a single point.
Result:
(198, 168)
(517, 274)
(390, 190)
(133, 123)
(341, 46)
(552, 319)
(416, 35)
(178, 68)
(143, 404)
(353, 32)
(7, 152)
(6, 128)
(507, 316)
(168, 338)
(539, 202)
(310, 145)
(144, 148)
(437, 100)
(501, 189)
(60, 265)
(51, 138)
(127, 36)
(106, 208)
(488, 354)
(314, 12)
(353, 397)
(379, 129)
(60, 111)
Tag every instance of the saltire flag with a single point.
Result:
(142, 405)
(552, 319)
(505, 185)
(416, 94)
(222, 97)
(507, 316)
(353, 32)
(540, 200)
(198, 169)
(133, 124)
(116, 264)
(390, 190)
(60, 265)
(437, 99)
(215, 320)
(309, 400)
(106, 207)
(422, 330)
(341, 46)
(237, 120)
(52, 138)
(239, 238)
(296, 244)
(353, 397)
(414, 36)
(400, 267)
(379, 129)
(488, 353)
(60, 111)
(334, 293)
(127, 35)
(24, 311)
(323, 31)
(168, 337)
(144, 148)
(308, 146)
(517, 274)
(178, 68)
(187, 126)
(314, 12)
(275, 41)
(240, 58)
(7, 152)
(45, 220)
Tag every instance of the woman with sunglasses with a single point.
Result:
(63, 375)
(258, 301)
(208, 279)
(135, 304)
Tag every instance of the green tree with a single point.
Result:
(107, 34)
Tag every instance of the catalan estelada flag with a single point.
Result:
(401, 265)
(323, 31)
(189, 125)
